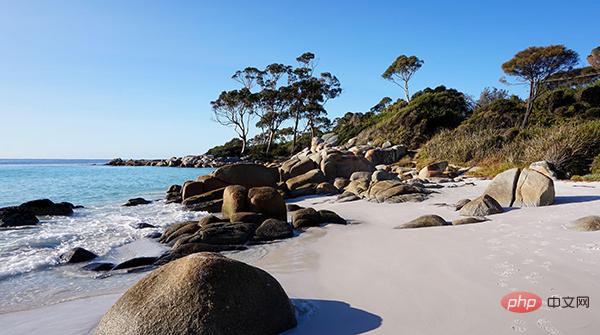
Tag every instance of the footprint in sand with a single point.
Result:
(518, 326)
(547, 327)
(505, 271)
(533, 277)
(546, 265)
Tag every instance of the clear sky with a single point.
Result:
(103, 79)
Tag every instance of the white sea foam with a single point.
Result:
(98, 229)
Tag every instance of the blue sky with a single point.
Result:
(102, 79)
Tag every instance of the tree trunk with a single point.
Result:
(295, 133)
(270, 140)
(406, 91)
(243, 138)
(529, 104)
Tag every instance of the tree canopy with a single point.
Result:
(401, 71)
(535, 65)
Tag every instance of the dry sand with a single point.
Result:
(370, 278)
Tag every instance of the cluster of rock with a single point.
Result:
(191, 161)
(359, 172)
(26, 214)
(511, 188)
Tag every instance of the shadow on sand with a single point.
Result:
(572, 199)
(331, 317)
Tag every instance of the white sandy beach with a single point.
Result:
(370, 278)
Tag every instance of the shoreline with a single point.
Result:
(370, 277)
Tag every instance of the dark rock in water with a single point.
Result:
(174, 189)
(423, 221)
(16, 217)
(48, 207)
(273, 229)
(293, 207)
(206, 220)
(225, 233)
(77, 255)
(211, 206)
(99, 266)
(203, 293)
(135, 262)
(143, 225)
(153, 235)
(203, 197)
(190, 228)
(328, 216)
(78, 206)
(136, 202)
(306, 217)
(171, 229)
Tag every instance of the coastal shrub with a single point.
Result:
(429, 111)
(463, 146)
(595, 167)
(570, 147)
(590, 95)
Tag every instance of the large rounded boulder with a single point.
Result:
(248, 175)
(234, 199)
(502, 188)
(266, 200)
(203, 293)
(534, 189)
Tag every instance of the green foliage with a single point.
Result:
(595, 167)
(429, 112)
(538, 63)
(571, 146)
(229, 149)
(401, 71)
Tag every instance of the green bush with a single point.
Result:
(595, 167)
(429, 112)
(229, 149)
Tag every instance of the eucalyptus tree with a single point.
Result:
(535, 65)
(235, 109)
(401, 71)
(310, 94)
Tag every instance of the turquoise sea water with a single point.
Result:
(30, 270)
(85, 182)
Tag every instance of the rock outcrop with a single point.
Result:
(522, 188)
(77, 255)
(481, 206)
(17, 217)
(533, 189)
(48, 207)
